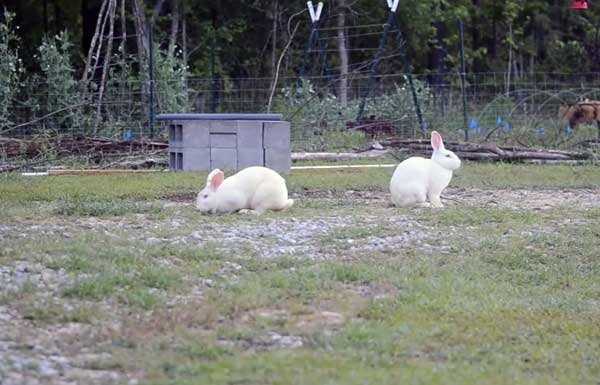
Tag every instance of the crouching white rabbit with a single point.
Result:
(253, 188)
(418, 180)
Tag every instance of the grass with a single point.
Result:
(15, 188)
(485, 294)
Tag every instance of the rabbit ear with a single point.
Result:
(215, 178)
(436, 141)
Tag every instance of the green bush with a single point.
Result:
(60, 96)
(319, 119)
(171, 74)
(10, 69)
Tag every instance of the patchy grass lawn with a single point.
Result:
(114, 279)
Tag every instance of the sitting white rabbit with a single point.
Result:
(417, 179)
(253, 188)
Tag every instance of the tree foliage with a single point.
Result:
(10, 67)
(239, 37)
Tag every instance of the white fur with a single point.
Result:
(253, 188)
(418, 180)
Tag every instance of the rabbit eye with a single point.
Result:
(448, 156)
(205, 196)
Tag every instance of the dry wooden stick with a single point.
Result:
(287, 46)
(100, 40)
(111, 12)
(123, 33)
(93, 43)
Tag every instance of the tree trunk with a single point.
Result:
(476, 34)
(510, 58)
(343, 51)
(157, 8)
(140, 32)
(123, 46)
(141, 27)
(58, 16)
(532, 65)
(174, 27)
(275, 22)
(437, 55)
(46, 16)
(184, 35)
(492, 42)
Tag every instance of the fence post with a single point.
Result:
(374, 65)
(392, 21)
(462, 77)
(151, 78)
(315, 17)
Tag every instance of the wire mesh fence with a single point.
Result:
(524, 109)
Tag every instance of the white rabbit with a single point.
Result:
(417, 179)
(253, 188)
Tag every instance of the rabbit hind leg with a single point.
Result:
(271, 197)
(410, 195)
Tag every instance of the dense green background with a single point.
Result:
(547, 35)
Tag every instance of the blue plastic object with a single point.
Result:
(128, 136)
(568, 130)
(540, 131)
(474, 126)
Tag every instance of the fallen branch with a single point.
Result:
(63, 146)
(489, 151)
(8, 168)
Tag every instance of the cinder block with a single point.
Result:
(223, 126)
(278, 159)
(179, 161)
(175, 134)
(223, 140)
(250, 157)
(223, 158)
(195, 134)
(173, 160)
(276, 135)
(196, 159)
(250, 133)
(201, 143)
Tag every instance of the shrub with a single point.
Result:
(10, 69)
(318, 115)
(61, 96)
(171, 76)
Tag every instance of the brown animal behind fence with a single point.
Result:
(587, 111)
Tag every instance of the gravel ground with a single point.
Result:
(69, 353)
